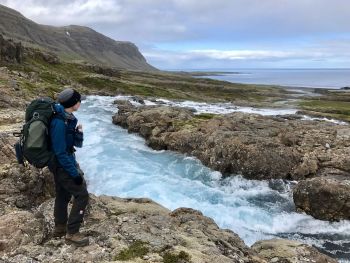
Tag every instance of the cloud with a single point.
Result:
(170, 20)
(326, 54)
(221, 31)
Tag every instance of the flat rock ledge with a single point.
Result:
(324, 198)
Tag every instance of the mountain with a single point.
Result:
(72, 43)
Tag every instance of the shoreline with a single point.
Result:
(222, 73)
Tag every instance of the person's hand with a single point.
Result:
(80, 172)
(78, 180)
(79, 128)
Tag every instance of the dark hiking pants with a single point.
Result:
(65, 189)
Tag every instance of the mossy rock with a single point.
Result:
(135, 250)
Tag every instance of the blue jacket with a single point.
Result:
(64, 137)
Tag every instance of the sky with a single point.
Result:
(212, 34)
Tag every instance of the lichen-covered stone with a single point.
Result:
(289, 251)
(324, 198)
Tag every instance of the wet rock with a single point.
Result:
(138, 99)
(324, 198)
(123, 103)
(288, 251)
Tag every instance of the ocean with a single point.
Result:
(309, 78)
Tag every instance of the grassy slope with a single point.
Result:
(48, 79)
(51, 77)
(332, 104)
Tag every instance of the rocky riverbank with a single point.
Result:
(258, 147)
(120, 230)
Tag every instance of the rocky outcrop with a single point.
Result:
(288, 251)
(23, 188)
(324, 198)
(46, 56)
(258, 147)
(114, 225)
(10, 51)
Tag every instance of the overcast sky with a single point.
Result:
(200, 34)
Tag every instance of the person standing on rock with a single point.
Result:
(65, 134)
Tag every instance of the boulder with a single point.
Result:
(289, 251)
(324, 198)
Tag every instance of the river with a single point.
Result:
(120, 164)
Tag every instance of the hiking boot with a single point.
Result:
(77, 239)
(59, 231)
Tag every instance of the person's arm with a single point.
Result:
(58, 142)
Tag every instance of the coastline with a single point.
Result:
(315, 78)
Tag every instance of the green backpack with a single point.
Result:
(34, 139)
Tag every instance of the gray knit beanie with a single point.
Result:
(69, 97)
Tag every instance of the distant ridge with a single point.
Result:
(72, 43)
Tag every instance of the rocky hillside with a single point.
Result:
(73, 43)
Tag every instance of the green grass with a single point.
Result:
(328, 108)
(182, 257)
(205, 116)
(337, 107)
(193, 122)
(135, 250)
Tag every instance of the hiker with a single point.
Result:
(65, 134)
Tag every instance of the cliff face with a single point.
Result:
(73, 43)
(10, 51)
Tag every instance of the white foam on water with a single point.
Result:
(224, 108)
(118, 163)
(305, 117)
